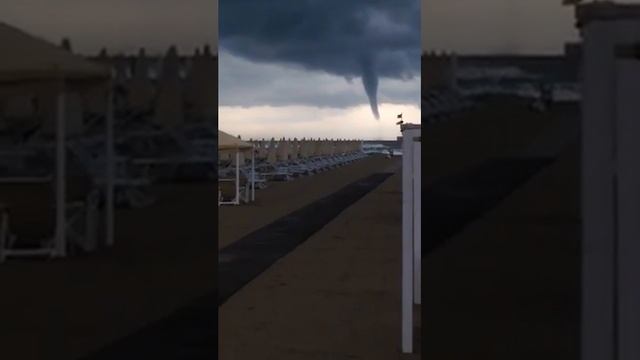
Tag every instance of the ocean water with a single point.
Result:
(382, 148)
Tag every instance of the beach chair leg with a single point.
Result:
(73, 218)
(90, 222)
(4, 235)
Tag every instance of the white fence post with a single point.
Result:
(610, 189)
(410, 231)
(417, 223)
(628, 202)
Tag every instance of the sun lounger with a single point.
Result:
(27, 219)
(259, 179)
(227, 192)
(129, 188)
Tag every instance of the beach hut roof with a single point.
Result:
(28, 58)
(230, 142)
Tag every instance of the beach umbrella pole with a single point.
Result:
(253, 174)
(110, 163)
(60, 237)
(417, 223)
(237, 177)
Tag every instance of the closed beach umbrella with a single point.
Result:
(272, 158)
(141, 90)
(282, 152)
(168, 111)
(304, 148)
(295, 149)
(201, 91)
(319, 147)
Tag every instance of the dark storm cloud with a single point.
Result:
(247, 84)
(366, 38)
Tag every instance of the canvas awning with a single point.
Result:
(230, 142)
(27, 58)
(29, 63)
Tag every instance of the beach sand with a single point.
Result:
(165, 256)
(281, 198)
(508, 285)
(501, 127)
(337, 296)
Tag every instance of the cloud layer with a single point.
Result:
(313, 122)
(244, 83)
(120, 25)
(497, 26)
(365, 39)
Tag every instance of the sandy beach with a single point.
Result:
(337, 296)
(508, 285)
(164, 257)
(281, 198)
(350, 310)
(500, 127)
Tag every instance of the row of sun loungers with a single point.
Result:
(442, 103)
(27, 209)
(283, 160)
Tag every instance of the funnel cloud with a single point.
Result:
(370, 82)
(369, 39)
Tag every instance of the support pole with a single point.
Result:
(253, 173)
(628, 176)
(407, 246)
(417, 223)
(110, 174)
(598, 189)
(60, 237)
(237, 177)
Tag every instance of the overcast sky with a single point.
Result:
(319, 55)
(318, 63)
(463, 25)
(120, 25)
(497, 26)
